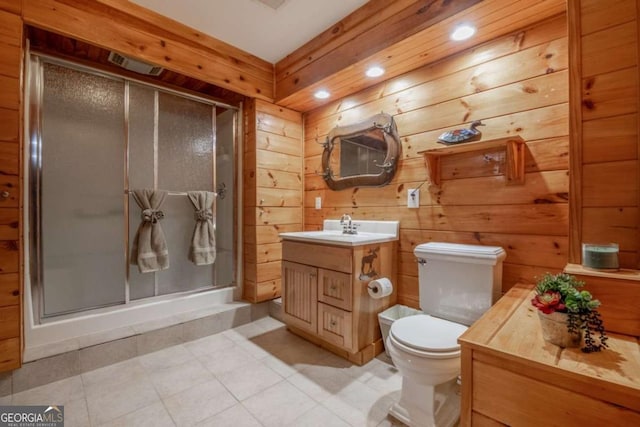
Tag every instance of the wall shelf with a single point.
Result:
(514, 146)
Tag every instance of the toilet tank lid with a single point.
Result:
(471, 253)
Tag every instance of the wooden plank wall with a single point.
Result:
(605, 164)
(272, 185)
(517, 84)
(10, 177)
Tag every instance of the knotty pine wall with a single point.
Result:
(10, 173)
(605, 158)
(517, 84)
(272, 186)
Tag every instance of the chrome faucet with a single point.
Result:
(348, 227)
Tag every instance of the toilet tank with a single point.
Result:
(459, 282)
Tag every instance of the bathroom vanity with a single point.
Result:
(324, 288)
(511, 376)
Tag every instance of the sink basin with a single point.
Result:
(368, 232)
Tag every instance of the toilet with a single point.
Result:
(457, 284)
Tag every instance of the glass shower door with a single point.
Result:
(82, 177)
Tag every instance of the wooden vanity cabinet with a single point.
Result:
(325, 299)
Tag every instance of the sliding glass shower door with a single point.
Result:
(98, 136)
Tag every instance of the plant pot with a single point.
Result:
(554, 330)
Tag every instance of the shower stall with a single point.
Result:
(94, 137)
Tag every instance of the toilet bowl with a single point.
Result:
(426, 353)
(457, 283)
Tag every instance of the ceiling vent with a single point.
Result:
(134, 65)
(273, 4)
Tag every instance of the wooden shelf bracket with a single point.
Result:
(515, 153)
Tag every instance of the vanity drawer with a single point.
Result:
(334, 288)
(323, 256)
(335, 325)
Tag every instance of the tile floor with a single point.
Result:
(258, 374)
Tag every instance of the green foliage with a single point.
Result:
(581, 307)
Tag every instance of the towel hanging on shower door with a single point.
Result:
(149, 251)
(203, 243)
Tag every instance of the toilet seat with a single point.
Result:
(427, 335)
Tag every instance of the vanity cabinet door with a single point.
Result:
(335, 326)
(334, 288)
(299, 296)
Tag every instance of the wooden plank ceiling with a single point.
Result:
(399, 36)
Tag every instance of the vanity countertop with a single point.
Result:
(510, 333)
(368, 232)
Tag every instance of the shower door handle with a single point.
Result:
(222, 191)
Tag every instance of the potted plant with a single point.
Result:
(567, 314)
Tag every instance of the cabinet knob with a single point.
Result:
(333, 287)
(333, 323)
(5, 194)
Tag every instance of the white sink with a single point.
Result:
(368, 232)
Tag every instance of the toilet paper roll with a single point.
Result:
(380, 288)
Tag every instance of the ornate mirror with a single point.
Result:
(361, 155)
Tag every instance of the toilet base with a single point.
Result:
(443, 409)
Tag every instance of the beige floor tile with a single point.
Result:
(56, 393)
(165, 358)
(226, 360)
(116, 401)
(319, 417)
(249, 379)
(269, 324)
(254, 349)
(244, 332)
(321, 382)
(384, 378)
(278, 340)
(359, 405)
(279, 378)
(174, 379)
(236, 416)
(302, 355)
(283, 369)
(278, 405)
(112, 375)
(198, 403)
(208, 345)
(76, 413)
(154, 415)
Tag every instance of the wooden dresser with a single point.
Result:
(325, 299)
(511, 376)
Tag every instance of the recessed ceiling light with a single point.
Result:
(374, 71)
(322, 94)
(463, 32)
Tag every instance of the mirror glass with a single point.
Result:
(363, 154)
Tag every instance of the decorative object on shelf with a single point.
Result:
(460, 136)
(600, 257)
(567, 314)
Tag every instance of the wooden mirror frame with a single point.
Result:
(388, 168)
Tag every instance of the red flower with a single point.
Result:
(548, 302)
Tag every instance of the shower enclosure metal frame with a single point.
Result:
(34, 94)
